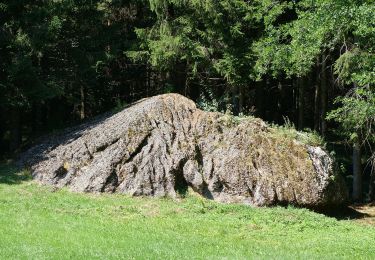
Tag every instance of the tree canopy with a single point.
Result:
(311, 63)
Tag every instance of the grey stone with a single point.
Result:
(160, 145)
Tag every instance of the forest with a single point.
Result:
(308, 64)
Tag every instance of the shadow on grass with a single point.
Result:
(344, 213)
(11, 175)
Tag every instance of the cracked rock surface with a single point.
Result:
(161, 145)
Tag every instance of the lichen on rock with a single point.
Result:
(161, 145)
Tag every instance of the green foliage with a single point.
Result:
(208, 102)
(356, 114)
(322, 29)
(210, 37)
(356, 67)
(50, 49)
(168, 88)
(293, 47)
(54, 60)
(39, 223)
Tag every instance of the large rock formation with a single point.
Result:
(161, 145)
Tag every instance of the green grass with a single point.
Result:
(36, 222)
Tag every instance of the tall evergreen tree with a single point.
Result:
(340, 35)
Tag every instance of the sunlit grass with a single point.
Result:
(36, 222)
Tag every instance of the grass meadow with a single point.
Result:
(38, 222)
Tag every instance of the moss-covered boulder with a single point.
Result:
(164, 144)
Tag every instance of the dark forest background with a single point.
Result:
(306, 63)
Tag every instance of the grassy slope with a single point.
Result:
(36, 222)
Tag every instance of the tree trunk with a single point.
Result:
(234, 93)
(37, 119)
(15, 126)
(177, 77)
(148, 83)
(301, 102)
(316, 102)
(324, 96)
(82, 106)
(372, 181)
(240, 99)
(108, 47)
(2, 131)
(259, 99)
(357, 171)
(268, 98)
(276, 117)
